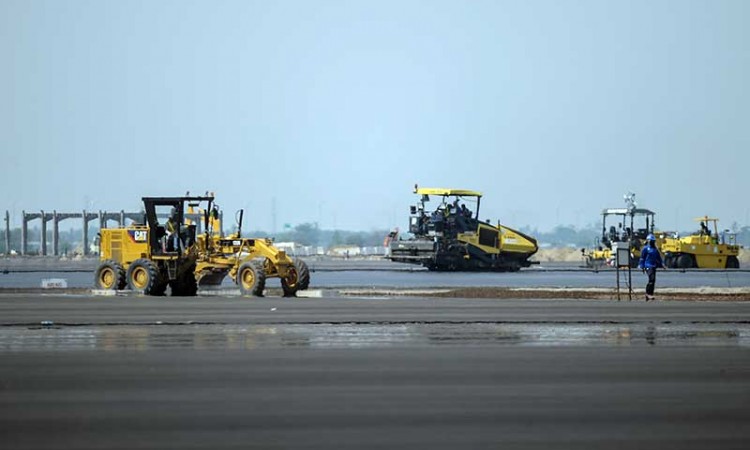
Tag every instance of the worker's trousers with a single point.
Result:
(651, 272)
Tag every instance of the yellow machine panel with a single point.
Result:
(513, 241)
(124, 245)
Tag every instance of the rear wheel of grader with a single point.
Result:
(251, 278)
(143, 277)
(733, 262)
(110, 276)
(185, 285)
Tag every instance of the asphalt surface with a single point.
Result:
(422, 279)
(128, 372)
(74, 310)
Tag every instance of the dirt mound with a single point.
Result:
(744, 258)
(558, 254)
(591, 294)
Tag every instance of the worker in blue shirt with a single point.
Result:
(649, 262)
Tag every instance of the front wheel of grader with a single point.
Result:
(251, 278)
(297, 278)
(304, 274)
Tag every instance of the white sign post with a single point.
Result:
(622, 261)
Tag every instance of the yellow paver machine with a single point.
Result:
(150, 257)
(451, 237)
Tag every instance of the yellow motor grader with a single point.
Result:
(151, 256)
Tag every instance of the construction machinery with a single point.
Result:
(452, 237)
(705, 249)
(633, 225)
(150, 257)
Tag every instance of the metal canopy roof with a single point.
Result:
(177, 199)
(627, 212)
(706, 219)
(447, 192)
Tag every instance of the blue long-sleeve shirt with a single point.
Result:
(650, 258)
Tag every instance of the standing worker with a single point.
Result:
(649, 262)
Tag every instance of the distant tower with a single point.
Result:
(630, 200)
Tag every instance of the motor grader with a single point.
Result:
(453, 238)
(150, 257)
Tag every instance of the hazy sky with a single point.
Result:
(333, 110)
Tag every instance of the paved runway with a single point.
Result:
(422, 279)
(498, 397)
(78, 310)
(128, 372)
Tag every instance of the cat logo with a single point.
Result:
(138, 235)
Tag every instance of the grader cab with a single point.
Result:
(152, 256)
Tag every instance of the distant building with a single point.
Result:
(344, 251)
(295, 249)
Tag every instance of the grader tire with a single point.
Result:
(303, 272)
(290, 283)
(297, 279)
(733, 262)
(185, 285)
(144, 278)
(251, 278)
(110, 276)
(160, 289)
